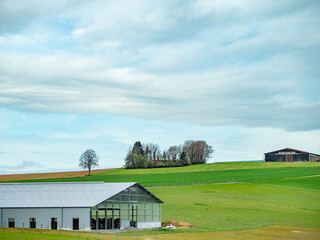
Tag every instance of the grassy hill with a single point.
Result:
(269, 173)
(230, 196)
(211, 167)
(240, 206)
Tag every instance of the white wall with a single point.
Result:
(43, 216)
(148, 224)
(124, 223)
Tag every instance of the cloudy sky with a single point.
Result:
(242, 75)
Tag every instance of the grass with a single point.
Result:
(200, 177)
(268, 200)
(308, 182)
(210, 167)
(240, 206)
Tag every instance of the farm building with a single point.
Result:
(290, 155)
(78, 206)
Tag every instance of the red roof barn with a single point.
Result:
(290, 155)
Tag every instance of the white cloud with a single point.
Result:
(210, 62)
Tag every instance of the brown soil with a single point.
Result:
(181, 225)
(29, 176)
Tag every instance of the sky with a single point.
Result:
(74, 75)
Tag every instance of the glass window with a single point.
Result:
(32, 222)
(156, 206)
(54, 223)
(141, 198)
(140, 217)
(75, 223)
(11, 222)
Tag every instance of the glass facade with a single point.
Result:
(131, 206)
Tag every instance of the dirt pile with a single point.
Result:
(180, 225)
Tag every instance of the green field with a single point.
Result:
(221, 197)
(211, 167)
(240, 206)
(198, 177)
(308, 182)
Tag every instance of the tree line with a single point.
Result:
(149, 155)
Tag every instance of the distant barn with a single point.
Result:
(290, 155)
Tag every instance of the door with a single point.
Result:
(98, 219)
(93, 219)
(54, 223)
(113, 218)
(75, 224)
(101, 219)
(133, 216)
(116, 218)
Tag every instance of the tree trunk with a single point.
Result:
(89, 171)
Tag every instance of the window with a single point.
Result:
(54, 223)
(32, 222)
(11, 222)
(75, 224)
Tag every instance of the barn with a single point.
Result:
(290, 155)
(78, 206)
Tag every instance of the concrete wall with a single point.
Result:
(43, 217)
(313, 158)
(124, 223)
(148, 224)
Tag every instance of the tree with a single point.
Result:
(129, 159)
(137, 148)
(89, 159)
(197, 151)
(147, 152)
(164, 156)
(183, 159)
(139, 161)
(174, 153)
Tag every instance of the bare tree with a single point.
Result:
(129, 159)
(154, 151)
(147, 152)
(89, 159)
(164, 156)
(174, 152)
(197, 151)
(188, 148)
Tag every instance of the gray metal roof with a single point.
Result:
(66, 194)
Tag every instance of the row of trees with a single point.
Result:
(149, 155)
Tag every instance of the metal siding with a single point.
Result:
(82, 213)
(1, 219)
(43, 217)
(272, 157)
(23, 195)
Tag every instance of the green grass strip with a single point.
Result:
(191, 178)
